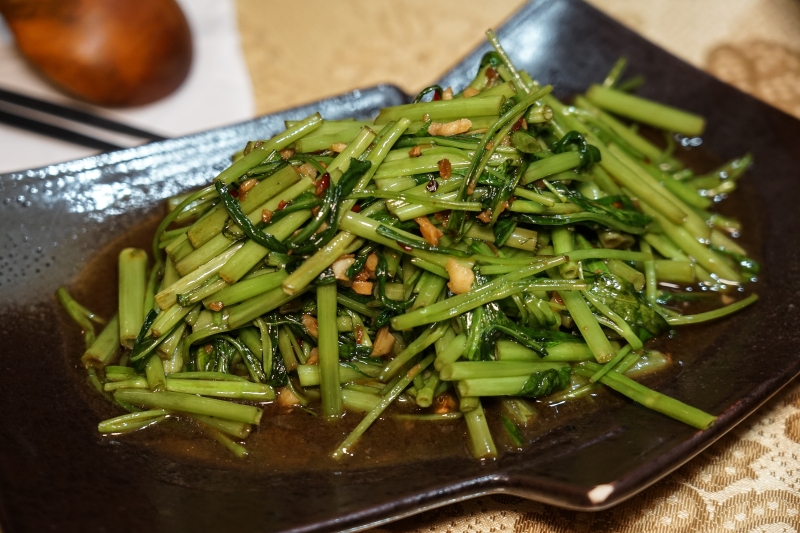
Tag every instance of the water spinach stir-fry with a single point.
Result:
(492, 242)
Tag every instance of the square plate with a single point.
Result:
(57, 473)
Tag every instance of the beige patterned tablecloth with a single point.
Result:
(748, 482)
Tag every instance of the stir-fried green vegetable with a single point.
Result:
(489, 242)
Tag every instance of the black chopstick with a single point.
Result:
(56, 132)
(75, 115)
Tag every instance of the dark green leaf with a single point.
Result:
(503, 229)
(525, 143)
(514, 434)
(589, 154)
(435, 89)
(544, 383)
(619, 296)
(143, 345)
(491, 58)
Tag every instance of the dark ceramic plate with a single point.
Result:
(57, 474)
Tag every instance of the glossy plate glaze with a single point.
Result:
(57, 473)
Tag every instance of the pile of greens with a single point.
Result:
(489, 243)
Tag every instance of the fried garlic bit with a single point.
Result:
(341, 265)
(383, 343)
(364, 288)
(248, 184)
(307, 169)
(286, 398)
(371, 264)
(310, 323)
(430, 233)
(446, 129)
(444, 403)
(461, 276)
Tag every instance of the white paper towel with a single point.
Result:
(216, 92)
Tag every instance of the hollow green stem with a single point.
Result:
(713, 315)
(427, 338)
(191, 404)
(239, 389)
(345, 446)
(132, 287)
(649, 398)
(105, 347)
(646, 111)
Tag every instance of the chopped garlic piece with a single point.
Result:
(445, 129)
(307, 169)
(340, 267)
(363, 288)
(384, 342)
(461, 276)
(286, 398)
(430, 233)
(310, 323)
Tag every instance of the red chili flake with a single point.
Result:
(405, 247)
(299, 342)
(491, 74)
(359, 334)
(356, 209)
(557, 299)
(445, 169)
(618, 205)
(322, 184)
(282, 205)
(436, 96)
(518, 124)
(234, 193)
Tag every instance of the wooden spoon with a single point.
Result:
(108, 52)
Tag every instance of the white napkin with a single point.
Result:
(216, 92)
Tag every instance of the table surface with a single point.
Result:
(749, 481)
